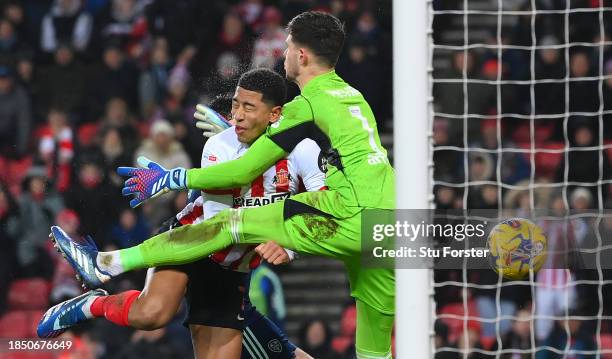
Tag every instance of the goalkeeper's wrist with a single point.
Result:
(178, 178)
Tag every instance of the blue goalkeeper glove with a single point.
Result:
(209, 121)
(151, 181)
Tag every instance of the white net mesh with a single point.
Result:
(523, 121)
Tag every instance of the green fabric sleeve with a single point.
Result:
(262, 154)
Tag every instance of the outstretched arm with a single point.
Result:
(153, 180)
(262, 154)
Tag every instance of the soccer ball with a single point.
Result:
(515, 246)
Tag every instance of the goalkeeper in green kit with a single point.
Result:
(327, 223)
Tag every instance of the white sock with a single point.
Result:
(110, 262)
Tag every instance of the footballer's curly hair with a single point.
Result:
(222, 103)
(320, 32)
(271, 85)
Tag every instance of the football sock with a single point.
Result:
(115, 308)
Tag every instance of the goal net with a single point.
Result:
(521, 122)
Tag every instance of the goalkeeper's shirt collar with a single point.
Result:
(315, 83)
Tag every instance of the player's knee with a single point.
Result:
(151, 314)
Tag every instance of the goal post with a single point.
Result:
(411, 148)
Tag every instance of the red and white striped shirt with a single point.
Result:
(297, 172)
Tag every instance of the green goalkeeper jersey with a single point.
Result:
(337, 117)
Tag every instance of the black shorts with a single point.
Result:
(214, 295)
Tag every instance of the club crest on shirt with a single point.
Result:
(212, 158)
(282, 177)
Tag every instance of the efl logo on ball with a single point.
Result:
(516, 245)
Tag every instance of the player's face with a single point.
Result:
(292, 55)
(251, 114)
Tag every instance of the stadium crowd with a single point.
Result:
(561, 140)
(89, 85)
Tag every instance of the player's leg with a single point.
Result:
(214, 342)
(152, 308)
(374, 329)
(261, 338)
(160, 299)
(214, 316)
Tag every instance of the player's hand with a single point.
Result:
(209, 121)
(151, 181)
(272, 253)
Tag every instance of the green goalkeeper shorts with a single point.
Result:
(317, 223)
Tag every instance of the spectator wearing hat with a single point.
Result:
(15, 116)
(163, 148)
(67, 23)
(39, 204)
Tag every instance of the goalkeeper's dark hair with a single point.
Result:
(222, 104)
(320, 32)
(271, 85)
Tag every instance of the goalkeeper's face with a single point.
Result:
(252, 114)
(293, 54)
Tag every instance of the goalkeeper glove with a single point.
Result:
(151, 181)
(209, 121)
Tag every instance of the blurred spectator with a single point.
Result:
(447, 161)
(92, 197)
(15, 116)
(25, 75)
(114, 153)
(130, 230)
(14, 12)
(232, 39)
(66, 23)
(519, 337)
(62, 84)
(117, 77)
(344, 343)
(583, 94)
(270, 45)
(441, 341)
(9, 221)
(65, 285)
(315, 339)
(449, 96)
(584, 164)
(581, 199)
(470, 342)
(251, 11)
(177, 21)
(56, 148)
(554, 295)
(38, 204)
(152, 82)
(359, 70)
(123, 23)
(10, 44)
(579, 338)
(117, 116)
(162, 147)
(549, 64)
